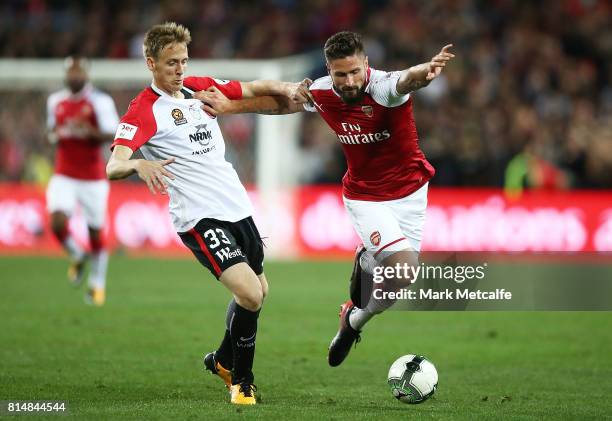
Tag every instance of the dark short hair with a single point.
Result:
(343, 44)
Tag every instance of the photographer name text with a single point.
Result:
(447, 294)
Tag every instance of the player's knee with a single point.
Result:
(400, 283)
(251, 299)
(403, 266)
(244, 285)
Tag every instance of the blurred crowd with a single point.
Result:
(527, 103)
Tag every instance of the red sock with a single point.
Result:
(97, 244)
(62, 233)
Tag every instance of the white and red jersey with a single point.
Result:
(79, 156)
(378, 136)
(164, 127)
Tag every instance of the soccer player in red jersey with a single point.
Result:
(80, 120)
(184, 155)
(385, 186)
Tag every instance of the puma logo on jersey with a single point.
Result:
(319, 106)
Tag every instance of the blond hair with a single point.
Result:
(162, 35)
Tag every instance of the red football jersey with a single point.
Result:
(78, 156)
(378, 137)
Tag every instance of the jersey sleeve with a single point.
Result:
(136, 127)
(312, 108)
(106, 113)
(230, 88)
(383, 89)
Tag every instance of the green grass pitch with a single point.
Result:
(139, 357)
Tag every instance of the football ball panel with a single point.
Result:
(397, 368)
(427, 377)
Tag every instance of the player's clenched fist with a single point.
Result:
(154, 174)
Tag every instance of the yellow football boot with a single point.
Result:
(95, 297)
(243, 394)
(76, 272)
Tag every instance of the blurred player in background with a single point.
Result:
(385, 187)
(80, 120)
(210, 209)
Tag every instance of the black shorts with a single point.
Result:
(221, 244)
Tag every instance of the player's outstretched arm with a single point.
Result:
(215, 103)
(421, 75)
(296, 92)
(152, 173)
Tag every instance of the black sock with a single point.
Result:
(224, 354)
(243, 330)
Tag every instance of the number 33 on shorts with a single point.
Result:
(215, 237)
(221, 244)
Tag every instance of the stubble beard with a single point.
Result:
(349, 98)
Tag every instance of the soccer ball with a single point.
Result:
(412, 378)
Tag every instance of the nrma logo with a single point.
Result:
(202, 135)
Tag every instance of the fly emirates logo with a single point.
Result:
(353, 136)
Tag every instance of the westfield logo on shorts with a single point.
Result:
(375, 238)
(225, 253)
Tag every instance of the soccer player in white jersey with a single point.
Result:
(385, 187)
(185, 157)
(80, 120)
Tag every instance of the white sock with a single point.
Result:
(74, 250)
(368, 262)
(97, 273)
(359, 317)
(377, 306)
